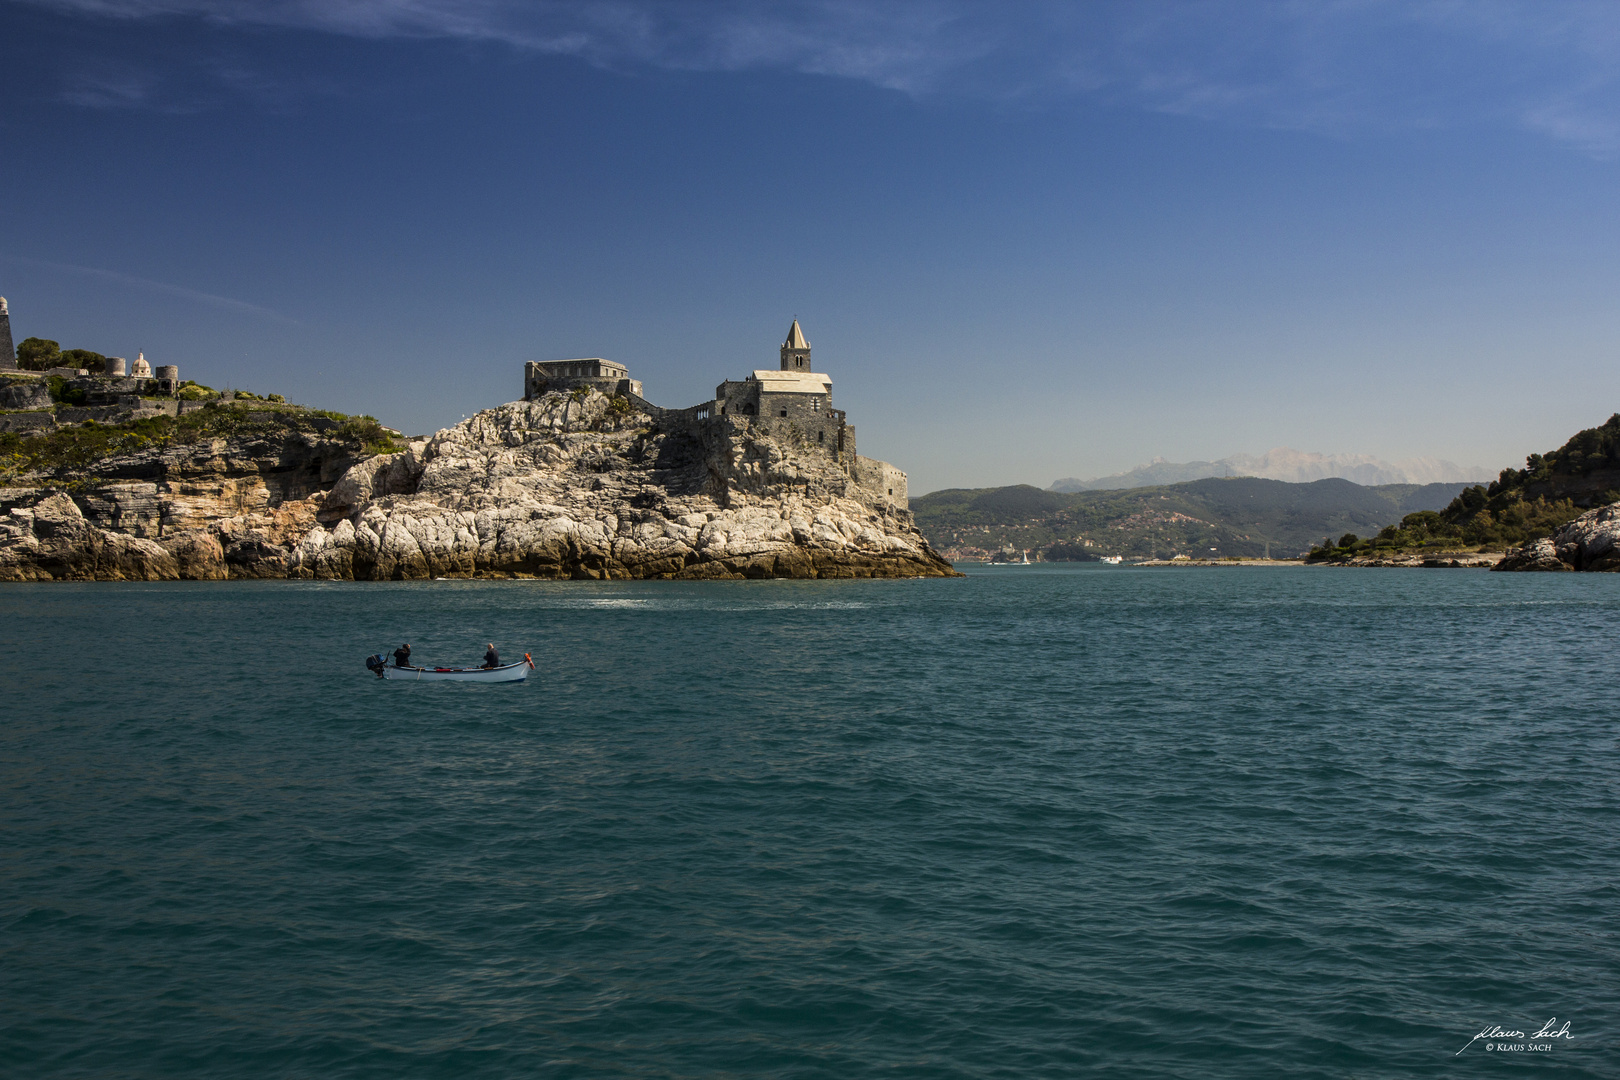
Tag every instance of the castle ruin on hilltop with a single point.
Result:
(793, 401)
(110, 393)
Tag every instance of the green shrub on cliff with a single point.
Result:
(1551, 489)
(42, 354)
(38, 354)
(62, 392)
(93, 362)
(1519, 505)
(63, 453)
(369, 432)
(1591, 451)
(1470, 522)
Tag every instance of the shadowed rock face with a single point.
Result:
(554, 488)
(1590, 542)
(179, 511)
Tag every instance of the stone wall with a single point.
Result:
(26, 406)
(883, 479)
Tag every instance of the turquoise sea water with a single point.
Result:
(1041, 822)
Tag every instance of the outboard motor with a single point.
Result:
(376, 664)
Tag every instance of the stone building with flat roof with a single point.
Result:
(542, 376)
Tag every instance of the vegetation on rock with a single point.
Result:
(557, 487)
(38, 354)
(61, 454)
(64, 394)
(93, 362)
(1519, 505)
(42, 354)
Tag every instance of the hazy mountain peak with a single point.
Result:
(1288, 464)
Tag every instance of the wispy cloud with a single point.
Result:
(209, 299)
(1341, 66)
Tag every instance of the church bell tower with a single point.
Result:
(795, 350)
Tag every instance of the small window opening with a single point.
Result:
(782, 413)
(821, 436)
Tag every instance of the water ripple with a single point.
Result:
(1040, 822)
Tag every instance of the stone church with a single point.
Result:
(794, 396)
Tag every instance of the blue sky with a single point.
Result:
(1027, 240)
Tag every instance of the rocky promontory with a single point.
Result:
(569, 485)
(1590, 542)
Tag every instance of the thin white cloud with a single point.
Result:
(193, 295)
(1339, 66)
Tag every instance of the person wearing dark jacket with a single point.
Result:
(402, 656)
(492, 658)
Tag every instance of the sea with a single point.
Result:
(1047, 821)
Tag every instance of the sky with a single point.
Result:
(1027, 240)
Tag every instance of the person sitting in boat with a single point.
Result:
(492, 658)
(402, 656)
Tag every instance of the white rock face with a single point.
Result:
(565, 487)
(582, 488)
(1590, 542)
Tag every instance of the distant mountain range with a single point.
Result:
(1290, 466)
(1241, 516)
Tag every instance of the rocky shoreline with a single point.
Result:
(1443, 560)
(579, 486)
(1591, 542)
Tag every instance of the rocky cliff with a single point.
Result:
(567, 486)
(1590, 542)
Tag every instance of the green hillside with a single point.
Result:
(1236, 516)
(1516, 507)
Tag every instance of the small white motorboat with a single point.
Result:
(505, 673)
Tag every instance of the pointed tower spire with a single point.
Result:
(795, 350)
